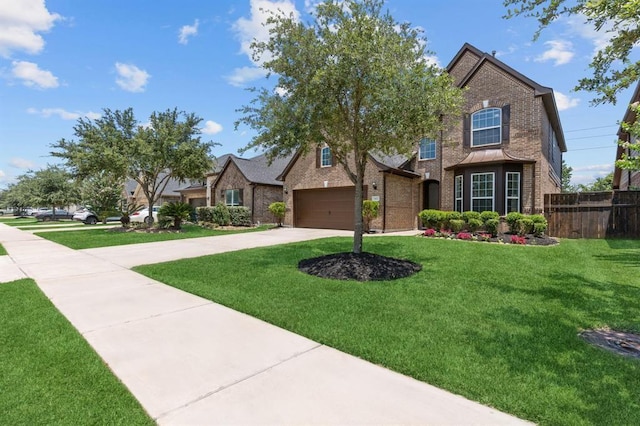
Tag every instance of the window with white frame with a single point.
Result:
(232, 197)
(325, 157)
(512, 201)
(482, 192)
(427, 149)
(457, 190)
(486, 127)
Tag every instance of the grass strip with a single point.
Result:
(106, 238)
(496, 323)
(49, 374)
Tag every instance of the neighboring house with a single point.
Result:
(503, 155)
(249, 182)
(626, 180)
(195, 193)
(135, 195)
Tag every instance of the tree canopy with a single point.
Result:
(50, 187)
(116, 144)
(612, 67)
(354, 80)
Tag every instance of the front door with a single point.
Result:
(430, 195)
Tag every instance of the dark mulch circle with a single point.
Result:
(359, 267)
(620, 342)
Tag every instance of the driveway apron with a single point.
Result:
(190, 361)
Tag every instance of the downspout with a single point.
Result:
(384, 202)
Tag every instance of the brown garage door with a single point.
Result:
(326, 208)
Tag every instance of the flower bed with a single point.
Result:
(502, 238)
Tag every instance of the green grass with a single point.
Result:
(104, 238)
(48, 373)
(496, 323)
(3, 252)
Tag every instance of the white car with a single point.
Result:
(86, 216)
(142, 215)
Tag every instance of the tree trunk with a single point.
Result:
(357, 230)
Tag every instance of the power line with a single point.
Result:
(591, 128)
(589, 137)
(593, 147)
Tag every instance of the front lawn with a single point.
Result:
(106, 238)
(49, 375)
(3, 252)
(496, 323)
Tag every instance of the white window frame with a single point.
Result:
(325, 161)
(427, 143)
(474, 130)
(458, 192)
(493, 190)
(235, 197)
(508, 197)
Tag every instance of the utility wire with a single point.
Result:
(591, 128)
(589, 137)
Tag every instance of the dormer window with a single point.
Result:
(325, 157)
(427, 149)
(486, 127)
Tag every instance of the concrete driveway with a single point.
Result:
(190, 361)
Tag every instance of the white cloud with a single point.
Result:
(243, 75)
(211, 128)
(21, 163)
(432, 60)
(560, 51)
(565, 102)
(599, 39)
(32, 76)
(64, 114)
(588, 174)
(20, 23)
(253, 29)
(187, 31)
(131, 78)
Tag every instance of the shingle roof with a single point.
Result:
(258, 169)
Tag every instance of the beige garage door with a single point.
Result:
(326, 208)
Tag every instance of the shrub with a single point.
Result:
(456, 225)
(176, 212)
(205, 214)
(540, 224)
(278, 210)
(429, 232)
(491, 226)
(370, 211)
(525, 225)
(485, 216)
(516, 239)
(473, 224)
(512, 219)
(432, 218)
(470, 215)
(220, 215)
(239, 216)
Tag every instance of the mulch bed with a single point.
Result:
(502, 238)
(359, 267)
(619, 342)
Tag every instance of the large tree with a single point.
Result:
(612, 65)
(50, 187)
(102, 192)
(353, 79)
(166, 147)
(604, 183)
(630, 159)
(567, 171)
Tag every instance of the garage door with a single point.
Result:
(326, 208)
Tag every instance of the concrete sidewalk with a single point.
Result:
(190, 361)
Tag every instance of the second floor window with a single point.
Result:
(325, 157)
(486, 127)
(427, 149)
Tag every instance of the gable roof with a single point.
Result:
(546, 93)
(257, 169)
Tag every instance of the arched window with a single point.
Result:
(325, 157)
(486, 127)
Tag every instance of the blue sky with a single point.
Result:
(63, 59)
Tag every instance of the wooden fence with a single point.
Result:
(614, 214)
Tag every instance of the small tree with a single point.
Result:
(354, 80)
(177, 211)
(278, 210)
(370, 210)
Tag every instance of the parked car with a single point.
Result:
(39, 210)
(142, 215)
(49, 215)
(88, 217)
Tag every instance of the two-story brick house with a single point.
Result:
(626, 180)
(503, 155)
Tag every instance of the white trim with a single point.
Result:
(473, 130)
(506, 191)
(322, 157)
(455, 193)
(235, 197)
(493, 190)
